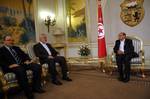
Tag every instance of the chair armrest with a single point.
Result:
(141, 55)
(112, 58)
(3, 81)
(35, 60)
(1, 85)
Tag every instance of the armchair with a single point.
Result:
(31, 54)
(8, 81)
(137, 62)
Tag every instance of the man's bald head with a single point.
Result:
(43, 38)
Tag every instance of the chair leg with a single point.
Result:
(143, 75)
(102, 66)
(5, 96)
(111, 70)
(5, 91)
(142, 72)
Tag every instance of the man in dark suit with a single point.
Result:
(124, 53)
(47, 54)
(1, 92)
(13, 59)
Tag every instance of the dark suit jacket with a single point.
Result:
(41, 52)
(128, 47)
(7, 59)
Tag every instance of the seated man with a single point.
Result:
(13, 59)
(124, 53)
(47, 54)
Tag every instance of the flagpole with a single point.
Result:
(101, 38)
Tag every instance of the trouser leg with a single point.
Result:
(120, 66)
(37, 70)
(63, 64)
(22, 79)
(52, 68)
(127, 67)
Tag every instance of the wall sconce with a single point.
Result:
(49, 21)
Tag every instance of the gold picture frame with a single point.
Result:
(76, 21)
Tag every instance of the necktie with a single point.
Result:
(15, 55)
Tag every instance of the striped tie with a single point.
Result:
(15, 55)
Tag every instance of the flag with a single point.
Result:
(101, 34)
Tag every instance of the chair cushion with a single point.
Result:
(136, 60)
(29, 74)
(45, 66)
(11, 77)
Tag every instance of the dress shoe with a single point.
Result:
(31, 96)
(126, 80)
(120, 79)
(39, 90)
(56, 82)
(67, 79)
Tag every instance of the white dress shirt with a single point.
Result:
(46, 47)
(121, 48)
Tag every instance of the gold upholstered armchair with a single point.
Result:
(32, 55)
(8, 80)
(138, 62)
(3, 85)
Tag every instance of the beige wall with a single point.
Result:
(115, 25)
(40, 6)
(112, 22)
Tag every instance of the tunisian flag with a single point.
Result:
(101, 35)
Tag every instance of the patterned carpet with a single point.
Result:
(93, 84)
